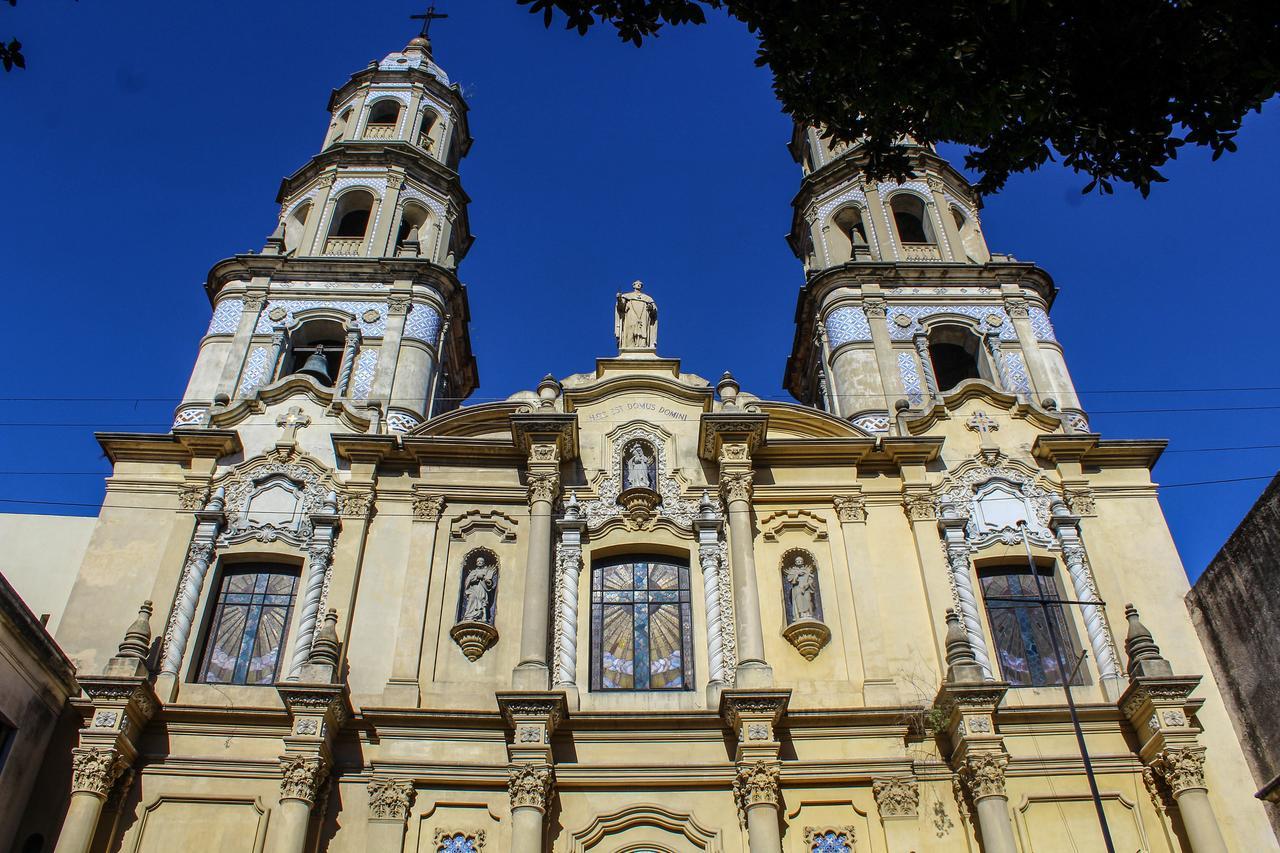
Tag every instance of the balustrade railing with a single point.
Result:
(921, 252)
(379, 131)
(343, 246)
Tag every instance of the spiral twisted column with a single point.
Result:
(954, 541)
(324, 530)
(568, 571)
(1067, 528)
(199, 557)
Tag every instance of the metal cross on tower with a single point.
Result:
(430, 15)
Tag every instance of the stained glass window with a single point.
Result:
(1020, 627)
(831, 841)
(456, 843)
(249, 625)
(641, 628)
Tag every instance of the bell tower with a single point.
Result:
(355, 298)
(903, 302)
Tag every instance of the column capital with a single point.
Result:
(94, 769)
(850, 509)
(897, 796)
(428, 507)
(758, 783)
(736, 486)
(983, 774)
(390, 799)
(1181, 768)
(302, 777)
(543, 486)
(531, 786)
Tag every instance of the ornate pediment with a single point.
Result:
(998, 500)
(274, 497)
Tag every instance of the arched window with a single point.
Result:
(478, 598)
(911, 219)
(1020, 626)
(315, 350)
(641, 625)
(853, 233)
(349, 224)
(294, 224)
(956, 355)
(425, 127)
(249, 625)
(414, 216)
(383, 116)
(970, 239)
(340, 126)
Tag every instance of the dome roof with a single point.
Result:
(417, 54)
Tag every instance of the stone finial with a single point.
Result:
(137, 639)
(1140, 646)
(330, 506)
(573, 509)
(548, 391)
(217, 501)
(728, 389)
(324, 648)
(962, 666)
(706, 509)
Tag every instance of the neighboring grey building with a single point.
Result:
(36, 679)
(1236, 608)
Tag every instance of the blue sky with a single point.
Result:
(146, 141)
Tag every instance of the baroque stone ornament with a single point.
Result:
(428, 507)
(530, 786)
(458, 841)
(849, 508)
(918, 507)
(1181, 768)
(390, 799)
(543, 487)
(809, 636)
(474, 638)
(983, 774)
(736, 487)
(302, 777)
(193, 497)
(896, 797)
(94, 770)
(664, 496)
(757, 784)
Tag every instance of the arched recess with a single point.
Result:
(349, 225)
(340, 127)
(957, 353)
(913, 226)
(312, 340)
(294, 226)
(384, 116)
(650, 825)
(971, 242)
(850, 234)
(413, 218)
(428, 132)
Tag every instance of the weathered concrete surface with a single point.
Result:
(1235, 606)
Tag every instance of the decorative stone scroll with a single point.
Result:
(995, 499)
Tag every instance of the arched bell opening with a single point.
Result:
(315, 350)
(851, 230)
(383, 116)
(350, 223)
(956, 354)
(915, 231)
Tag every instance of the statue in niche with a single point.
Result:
(635, 322)
(478, 587)
(801, 580)
(638, 469)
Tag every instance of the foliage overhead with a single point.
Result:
(1113, 89)
(11, 53)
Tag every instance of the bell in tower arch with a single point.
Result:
(317, 365)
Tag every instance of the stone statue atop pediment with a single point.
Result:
(635, 322)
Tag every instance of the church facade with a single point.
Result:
(631, 609)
